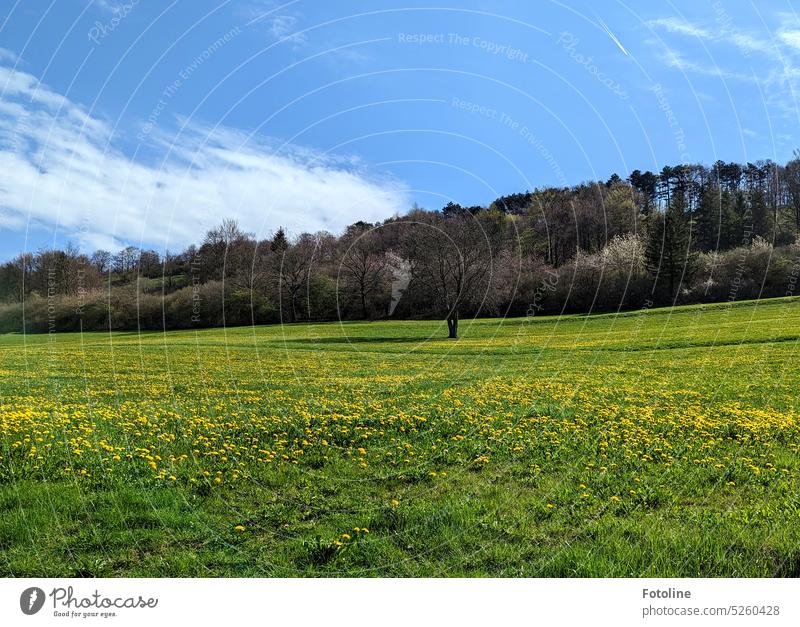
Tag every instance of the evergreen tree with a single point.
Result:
(716, 224)
(279, 242)
(707, 219)
(760, 213)
(744, 220)
(669, 254)
(646, 183)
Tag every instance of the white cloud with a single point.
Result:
(284, 28)
(280, 21)
(722, 33)
(6, 56)
(748, 43)
(112, 6)
(766, 59)
(682, 27)
(791, 38)
(61, 166)
(674, 59)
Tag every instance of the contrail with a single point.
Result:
(613, 37)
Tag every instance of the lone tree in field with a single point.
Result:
(451, 260)
(669, 254)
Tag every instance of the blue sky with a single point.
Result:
(146, 122)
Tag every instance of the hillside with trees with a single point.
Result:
(687, 234)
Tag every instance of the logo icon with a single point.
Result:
(31, 600)
(401, 271)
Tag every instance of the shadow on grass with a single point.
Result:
(417, 339)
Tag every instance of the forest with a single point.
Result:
(687, 234)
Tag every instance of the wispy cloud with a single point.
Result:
(767, 59)
(791, 38)
(281, 21)
(284, 28)
(676, 60)
(60, 166)
(747, 43)
(111, 6)
(682, 27)
(6, 56)
(723, 33)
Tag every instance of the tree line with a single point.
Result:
(689, 233)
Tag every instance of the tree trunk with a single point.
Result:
(672, 294)
(797, 216)
(363, 305)
(452, 326)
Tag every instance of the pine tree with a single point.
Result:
(669, 254)
(279, 242)
(759, 213)
(744, 220)
(716, 225)
(707, 219)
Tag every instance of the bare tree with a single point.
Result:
(101, 260)
(149, 263)
(225, 251)
(227, 232)
(126, 261)
(362, 264)
(294, 268)
(451, 261)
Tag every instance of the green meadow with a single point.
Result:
(652, 443)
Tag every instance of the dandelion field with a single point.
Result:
(654, 443)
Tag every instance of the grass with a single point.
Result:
(654, 443)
